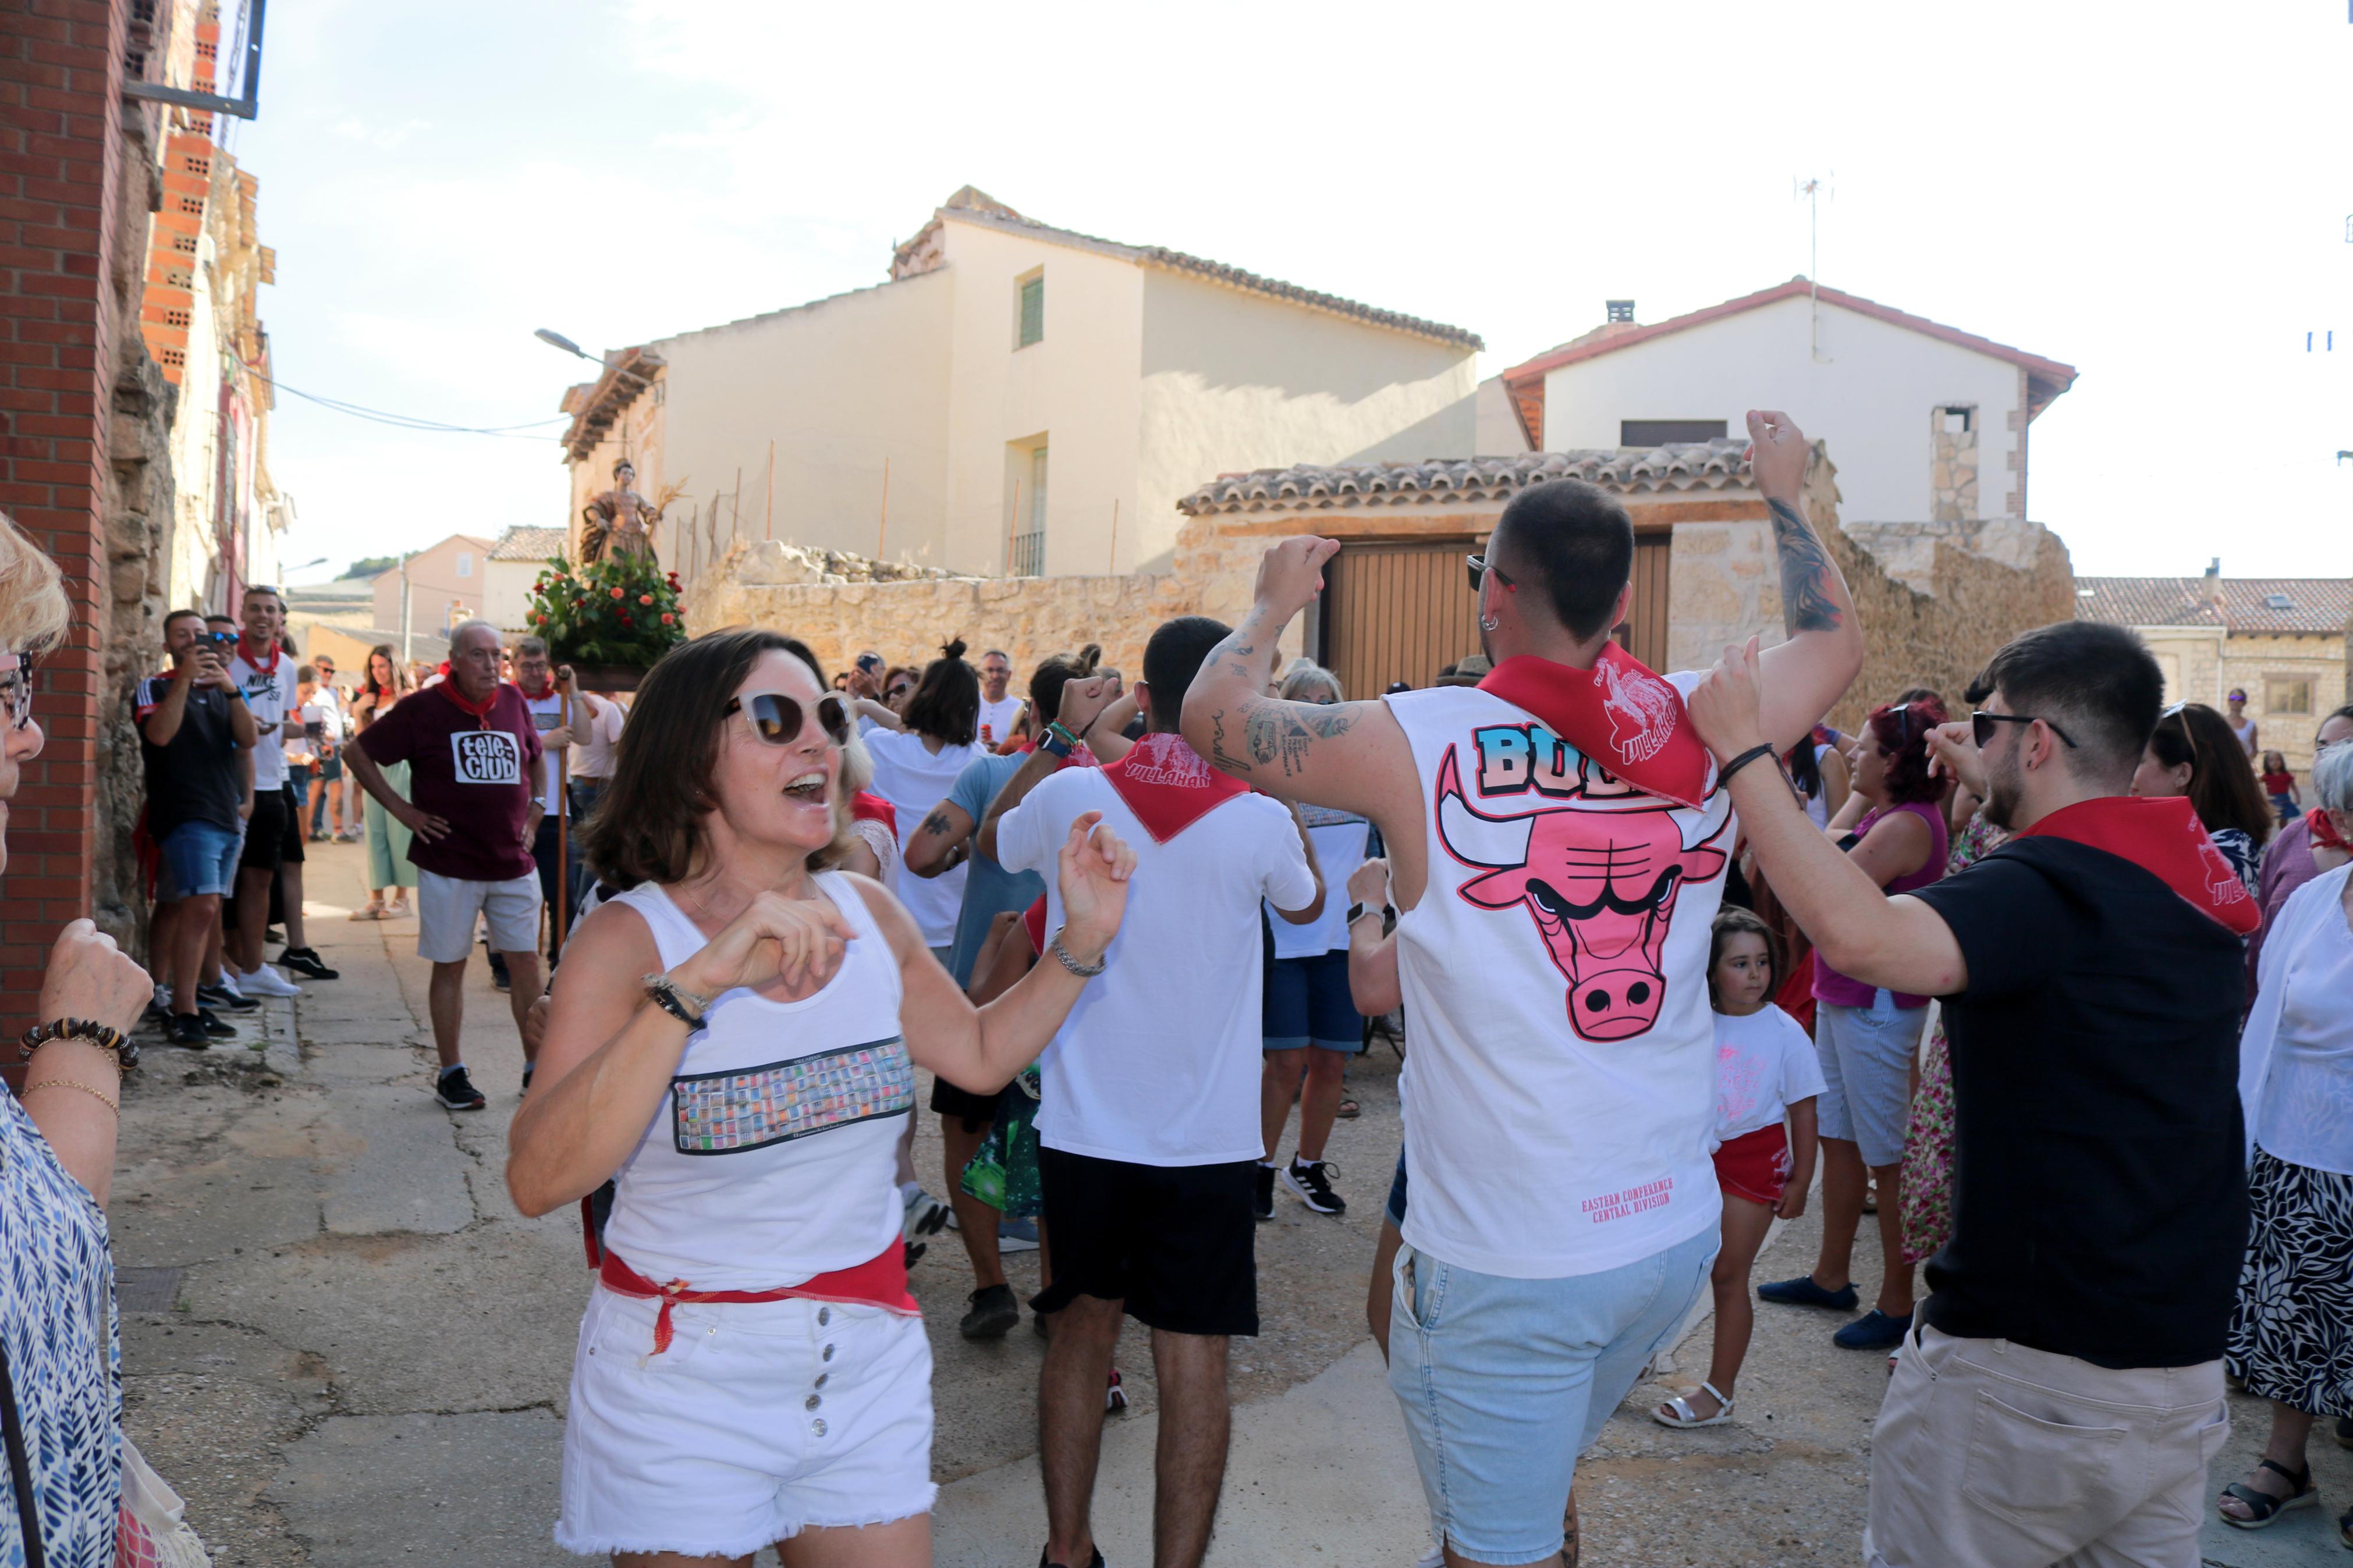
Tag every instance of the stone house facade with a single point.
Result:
(1016, 399)
(2286, 642)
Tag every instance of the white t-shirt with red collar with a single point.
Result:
(1158, 1063)
(270, 690)
(1560, 1094)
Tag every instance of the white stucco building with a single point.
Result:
(1016, 399)
(1930, 423)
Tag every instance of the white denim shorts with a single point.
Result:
(446, 908)
(761, 1420)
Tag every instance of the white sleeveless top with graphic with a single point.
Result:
(773, 1157)
(1559, 1087)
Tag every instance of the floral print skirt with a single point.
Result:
(1927, 1184)
(2292, 1327)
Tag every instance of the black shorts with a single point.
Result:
(978, 1109)
(1175, 1243)
(273, 837)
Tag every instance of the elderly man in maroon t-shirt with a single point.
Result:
(471, 753)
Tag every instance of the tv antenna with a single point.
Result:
(1813, 189)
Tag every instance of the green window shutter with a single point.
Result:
(1033, 310)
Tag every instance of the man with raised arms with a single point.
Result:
(1558, 843)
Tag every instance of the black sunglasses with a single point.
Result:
(1981, 725)
(16, 691)
(777, 719)
(1478, 569)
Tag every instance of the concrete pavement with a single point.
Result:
(345, 1347)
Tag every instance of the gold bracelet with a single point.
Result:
(100, 1095)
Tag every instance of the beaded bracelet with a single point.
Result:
(126, 1055)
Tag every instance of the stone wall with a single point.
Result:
(1938, 629)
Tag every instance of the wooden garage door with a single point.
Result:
(1398, 612)
(1404, 612)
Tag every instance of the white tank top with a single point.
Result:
(773, 1157)
(1818, 804)
(1560, 1092)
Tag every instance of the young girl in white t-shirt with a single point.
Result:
(1765, 1069)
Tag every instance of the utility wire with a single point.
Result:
(410, 421)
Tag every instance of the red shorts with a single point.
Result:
(1755, 1165)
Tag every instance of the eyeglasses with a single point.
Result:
(1981, 725)
(777, 718)
(1478, 569)
(16, 690)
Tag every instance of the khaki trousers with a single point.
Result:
(1989, 1455)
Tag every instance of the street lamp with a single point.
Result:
(557, 339)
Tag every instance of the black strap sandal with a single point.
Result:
(2263, 1508)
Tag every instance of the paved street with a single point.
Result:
(345, 1348)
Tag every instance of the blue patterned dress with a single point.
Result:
(58, 1324)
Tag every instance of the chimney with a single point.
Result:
(1620, 309)
(2209, 588)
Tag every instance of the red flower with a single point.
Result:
(669, 619)
(616, 593)
(627, 622)
(645, 598)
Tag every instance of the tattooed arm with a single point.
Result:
(942, 844)
(1805, 674)
(1349, 755)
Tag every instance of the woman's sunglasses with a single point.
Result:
(777, 718)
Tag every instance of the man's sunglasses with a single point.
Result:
(777, 718)
(1981, 725)
(1478, 569)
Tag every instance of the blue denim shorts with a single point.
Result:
(1307, 1003)
(1505, 1381)
(199, 857)
(1866, 1055)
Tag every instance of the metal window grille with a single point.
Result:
(1033, 310)
(1028, 553)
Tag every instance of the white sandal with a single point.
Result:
(371, 910)
(1678, 1413)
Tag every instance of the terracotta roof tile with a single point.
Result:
(2247, 603)
(1699, 465)
(533, 544)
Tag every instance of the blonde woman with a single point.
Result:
(389, 872)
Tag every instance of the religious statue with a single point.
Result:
(618, 520)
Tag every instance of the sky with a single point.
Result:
(2160, 195)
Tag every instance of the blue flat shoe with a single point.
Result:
(1803, 1292)
(1874, 1330)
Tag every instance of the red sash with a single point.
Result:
(880, 1281)
(1168, 786)
(1618, 713)
(2162, 836)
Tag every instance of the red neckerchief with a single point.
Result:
(867, 806)
(2162, 836)
(270, 669)
(1168, 785)
(2323, 832)
(1618, 714)
(536, 696)
(481, 711)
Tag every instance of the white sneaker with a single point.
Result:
(266, 981)
(926, 1216)
(229, 980)
(1433, 1558)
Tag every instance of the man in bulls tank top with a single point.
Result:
(1558, 843)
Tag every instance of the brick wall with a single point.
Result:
(63, 180)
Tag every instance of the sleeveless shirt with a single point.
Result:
(1560, 1095)
(773, 1157)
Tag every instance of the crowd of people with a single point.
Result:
(2050, 982)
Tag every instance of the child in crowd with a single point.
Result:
(2280, 784)
(1765, 1067)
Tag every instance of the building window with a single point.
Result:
(1026, 556)
(1033, 310)
(465, 563)
(1645, 434)
(2287, 694)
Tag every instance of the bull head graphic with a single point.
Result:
(1600, 882)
